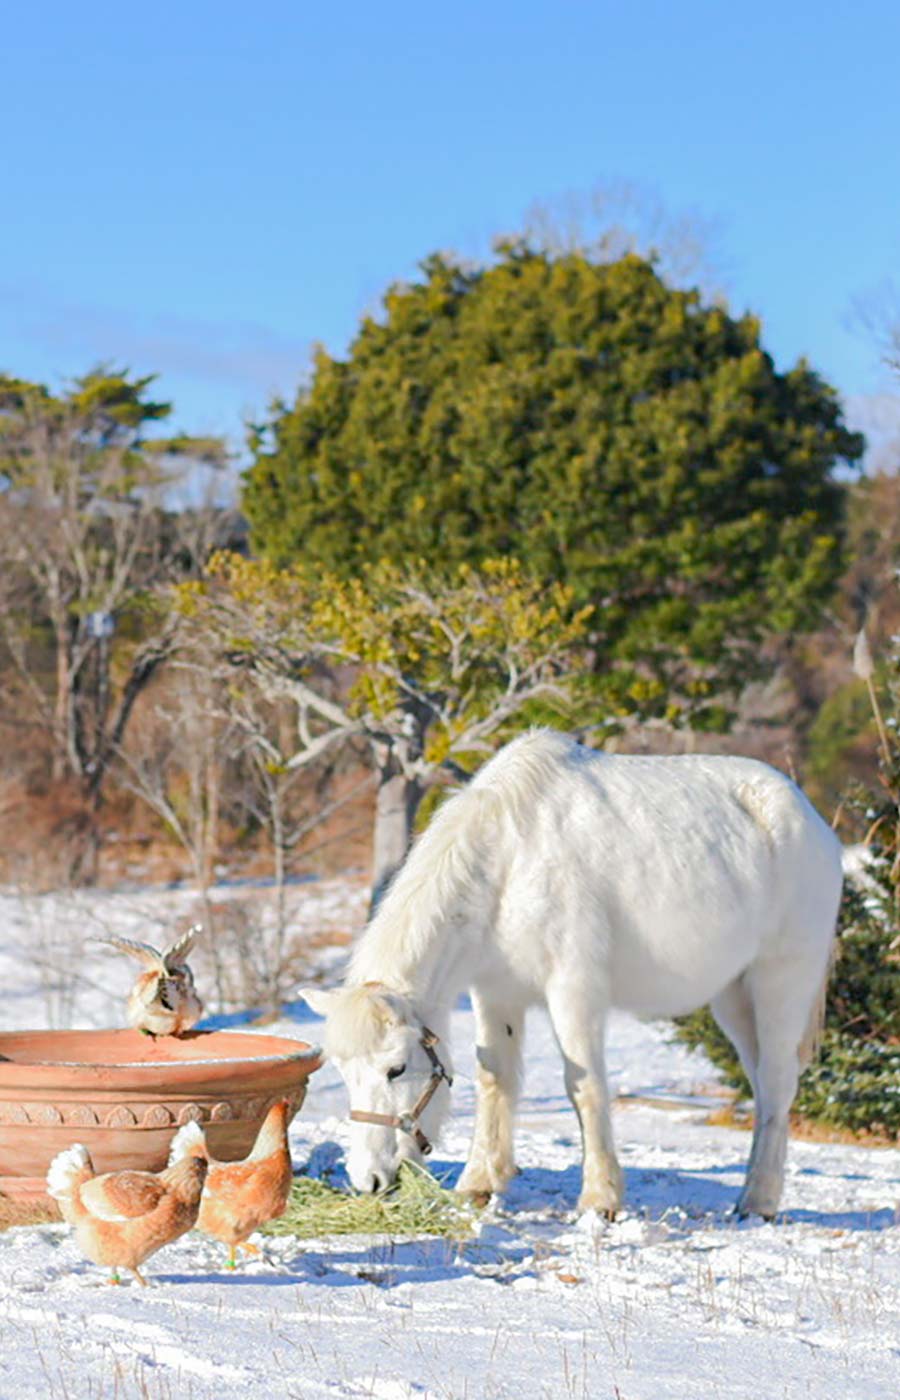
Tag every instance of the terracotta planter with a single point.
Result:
(125, 1095)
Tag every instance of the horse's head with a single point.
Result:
(397, 1080)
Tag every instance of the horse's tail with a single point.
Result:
(811, 1043)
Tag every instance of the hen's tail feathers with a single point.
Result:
(144, 953)
(178, 951)
(189, 1141)
(185, 1178)
(272, 1136)
(68, 1170)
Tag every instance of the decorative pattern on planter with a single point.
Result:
(46, 1114)
(157, 1115)
(82, 1116)
(120, 1117)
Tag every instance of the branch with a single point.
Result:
(320, 746)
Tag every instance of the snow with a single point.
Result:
(675, 1299)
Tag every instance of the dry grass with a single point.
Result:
(417, 1205)
(734, 1116)
(14, 1212)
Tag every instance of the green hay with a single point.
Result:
(416, 1205)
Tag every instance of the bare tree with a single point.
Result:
(174, 764)
(429, 673)
(211, 743)
(266, 733)
(617, 217)
(85, 536)
(876, 314)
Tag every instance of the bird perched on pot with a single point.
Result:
(121, 1218)
(239, 1197)
(163, 1000)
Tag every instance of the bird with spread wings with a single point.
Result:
(163, 1000)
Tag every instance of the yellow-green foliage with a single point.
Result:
(395, 623)
(469, 646)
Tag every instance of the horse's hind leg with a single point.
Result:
(733, 1011)
(579, 1031)
(499, 1055)
(782, 992)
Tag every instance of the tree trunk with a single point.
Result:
(153, 655)
(62, 744)
(275, 969)
(395, 812)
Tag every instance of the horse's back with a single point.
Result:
(666, 875)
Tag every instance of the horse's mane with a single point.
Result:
(448, 866)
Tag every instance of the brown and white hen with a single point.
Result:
(239, 1197)
(121, 1218)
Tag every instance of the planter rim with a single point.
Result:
(122, 1051)
(314, 1052)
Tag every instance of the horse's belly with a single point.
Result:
(649, 996)
(670, 976)
(658, 971)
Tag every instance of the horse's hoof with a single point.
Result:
(476, 1196)
(744, 1213)
(606, 1209)
(480, 1186)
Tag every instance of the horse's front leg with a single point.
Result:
(580, 1031)
(499, 1064)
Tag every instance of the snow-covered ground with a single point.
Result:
(676, 1299)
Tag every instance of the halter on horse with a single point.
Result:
(408, 1122)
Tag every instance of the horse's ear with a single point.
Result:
(318, 999)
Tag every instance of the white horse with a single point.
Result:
(587, 881)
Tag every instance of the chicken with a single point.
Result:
(240, 1196)
(121, 1218)
(163, 1000)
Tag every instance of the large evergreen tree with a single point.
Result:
(610, 431)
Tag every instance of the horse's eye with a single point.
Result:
(396, 1073)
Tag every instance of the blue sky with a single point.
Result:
(207, 189)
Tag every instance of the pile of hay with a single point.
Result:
(417, 1205)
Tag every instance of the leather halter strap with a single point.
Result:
(409, 1122)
